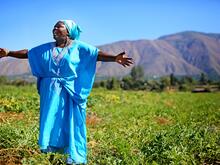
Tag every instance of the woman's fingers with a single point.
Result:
(127, 63)
(122, 53)
(124, 60)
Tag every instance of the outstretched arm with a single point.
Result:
(120, 58)
(17, 54)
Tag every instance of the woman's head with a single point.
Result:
(66, 28)
(60, 31)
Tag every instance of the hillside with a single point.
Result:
(185, 53)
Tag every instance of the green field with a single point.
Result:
(124, 127)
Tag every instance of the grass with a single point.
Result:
(124, 127)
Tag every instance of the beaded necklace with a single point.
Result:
(57, 56)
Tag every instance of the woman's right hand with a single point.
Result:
(3, 52)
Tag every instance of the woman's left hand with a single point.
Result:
(3, 52)
(123, 59)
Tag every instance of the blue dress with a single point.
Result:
(64, 80)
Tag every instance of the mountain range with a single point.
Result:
(184, 53)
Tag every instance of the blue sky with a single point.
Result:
(28, 23)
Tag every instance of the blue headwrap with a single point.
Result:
(73, 29)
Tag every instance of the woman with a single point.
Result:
(65, 72)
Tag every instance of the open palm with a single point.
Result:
(123, 59)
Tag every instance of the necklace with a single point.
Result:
(58, 55)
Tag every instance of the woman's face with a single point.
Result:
(60, 31)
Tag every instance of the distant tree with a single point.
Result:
(173, 80)
(112, 83)
(210, 81)
(164, 82)
(203, 79)
(184, 87)
(153, 85)
(186, 83)
(139, 85)
(218, 84)
(20, 82)
(103, 84)
(3, 80)
(187, 80)
(127, 83)
(137, 73)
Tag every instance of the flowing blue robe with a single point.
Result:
(64, 82)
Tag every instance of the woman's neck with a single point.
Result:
(63, 43)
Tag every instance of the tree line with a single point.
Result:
(136, 81)
(4, 80)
